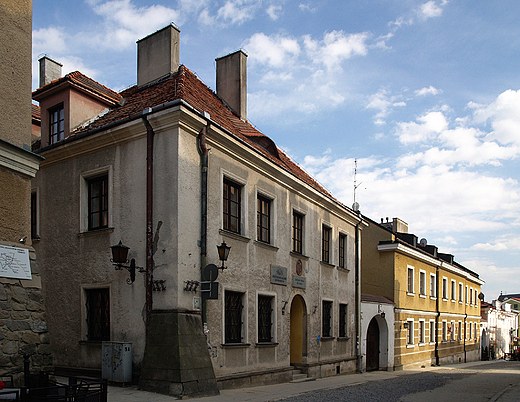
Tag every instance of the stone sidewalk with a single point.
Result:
(275, 392)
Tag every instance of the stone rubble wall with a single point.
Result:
(23, 328)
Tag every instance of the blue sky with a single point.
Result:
(424, 94)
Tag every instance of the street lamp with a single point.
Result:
(223, 252)
(119, 259)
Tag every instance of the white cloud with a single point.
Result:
(383, 102)
(335, 47)
(426, 127)
(428, 91)
(237, 11)
(274, 12)
(50, 40)
(306, 7)
(275, 51)
(489, 247)
(430, 9)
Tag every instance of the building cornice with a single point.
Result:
(416, 254)
(18, 159)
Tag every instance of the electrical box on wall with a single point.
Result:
(116, 362)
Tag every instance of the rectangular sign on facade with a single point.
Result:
(278, 275)
(14, 263)
(299, 282)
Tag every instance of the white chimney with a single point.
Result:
(158, 55)
(232, 82)
(50, 70)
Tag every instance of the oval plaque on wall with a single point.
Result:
(299, 268)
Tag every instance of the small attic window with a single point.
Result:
(267, 144)
(56, 124)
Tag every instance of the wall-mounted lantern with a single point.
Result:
(405, 325)
(119, 259)
(223, 253)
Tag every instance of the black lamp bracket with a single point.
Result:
(130, 268)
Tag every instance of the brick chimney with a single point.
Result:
(158, 55)
(232, 82)
(50, 70)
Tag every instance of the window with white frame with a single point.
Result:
(410, 280)
(233, 312)
(461, 287)
(422, 283)
(476, 297)
(444, 331)
(445, 288)
(96, 199)
(432, 331)
(470, 296)
(459, 332)
(265, 319)
(453, 290)
(466, 298)
(422, 335)
(433, 285)
(452, 330)
(409, 335)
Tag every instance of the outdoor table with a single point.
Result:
(10, 394)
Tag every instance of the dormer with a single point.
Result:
(68, 102)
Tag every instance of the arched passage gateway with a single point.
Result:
(298, 330)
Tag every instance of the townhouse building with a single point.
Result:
(499, 327)
(23, 328)
(437, 305)
(173, 169)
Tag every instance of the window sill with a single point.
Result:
(410, 294)
(423, 344)
(235, 345)
(234, 235)
(453, 301)
(96, 232)
(265, 245)
(327, 264)
(266, 344)
(83, 342)
(433, 298)
(344, 269)
(445, 300)
(410, 345)
(343, 338)
(422, 296)
(298, 255)
(327, 338)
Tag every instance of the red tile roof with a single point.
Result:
(187, 86)
(365, 297)
(36, 112)
(82, 81)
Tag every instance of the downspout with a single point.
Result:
(465, 333)
(203, 151)
(358, 301)
(437, 316)
(149, 216)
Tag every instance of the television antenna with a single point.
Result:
(355, 205)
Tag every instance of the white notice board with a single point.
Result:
(14, 263)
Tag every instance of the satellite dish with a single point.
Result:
(355, 206)
(423, 242)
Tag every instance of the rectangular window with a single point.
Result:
(445, 288)
(342, 250)
(343, 320)
(265, 318)
(410, 280)
(326, 328)
(470, 296)
(422, 283)
(297, 232)
(476, 297)
(325, 244)
(34, 216)
(97, 202)
(460, 331)
(452, 331)
(460, 292)
(263, 219)
(453, 290)
(444, 331)
(98, 314)
(233, 317)
(466, 299)
(231, 207)
(433, 285)
(432, 331)
(422, 336)
(410, 332)
(56, 124)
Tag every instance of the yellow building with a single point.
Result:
(437, 309)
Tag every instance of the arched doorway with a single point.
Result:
(298, 330)
(373, 345)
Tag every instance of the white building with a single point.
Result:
(499, 328)
(174, 169)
